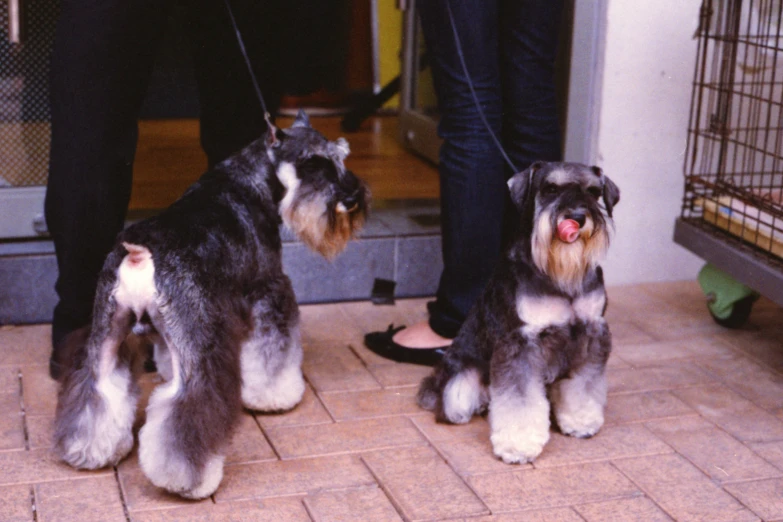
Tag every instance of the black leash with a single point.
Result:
(473, 91)
(267, 116)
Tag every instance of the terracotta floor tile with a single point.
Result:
(624, 510)
(764, 497)
(715, 452)
(422, 485)
(359, 505)
(611, 442)
(140, 494)
(292, 477)
(539, 515)
(738, 416)
(344, 437)
(256, 510)
(653, 378)
(625, 332)
(772, 452)
(10, 403)
(635, 407)
(650, 353)
(9, 380)
(392, 374)
(477, 428)
(326, 324)
(706, 402)
(249, 443)
(332, 368)
(682, 490)
(373, 403)
(764, 346)
(11, 431)
(16, 503)
(678, 324)
(40, 431)
(615, 362)
(40, 391)
(683, 294)
(26, 467)
(751, 380)
(553, 487)
(24, 345)
(309, 411)
(92, 498)
(472, 455)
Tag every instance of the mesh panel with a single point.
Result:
(24, 96)
(734, 162)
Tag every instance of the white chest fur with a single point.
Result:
(541, 312)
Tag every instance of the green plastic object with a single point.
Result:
(722, 290)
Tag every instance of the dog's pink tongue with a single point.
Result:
(568, 230)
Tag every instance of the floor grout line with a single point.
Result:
(23, 412)
(124, 503)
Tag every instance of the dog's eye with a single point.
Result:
(595, 192)
(550, 189)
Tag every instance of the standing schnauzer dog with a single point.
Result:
(204, 281)
(540, 320)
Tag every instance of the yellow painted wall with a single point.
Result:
(390, 48)
(389, 43)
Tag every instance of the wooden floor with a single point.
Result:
(169, 158)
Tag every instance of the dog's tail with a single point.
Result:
(428, 394)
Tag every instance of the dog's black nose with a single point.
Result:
(579, 217)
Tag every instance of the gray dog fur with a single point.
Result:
(539, 325)
(204, 281)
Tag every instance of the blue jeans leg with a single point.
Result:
(472, 171)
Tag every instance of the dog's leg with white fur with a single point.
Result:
(271, 357)
(518, 411)
(579, 399)
(97, 400)
(191, 417)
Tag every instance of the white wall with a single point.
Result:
(643, 115)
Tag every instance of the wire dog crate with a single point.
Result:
(732, 211)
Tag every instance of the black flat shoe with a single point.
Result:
(382, 344)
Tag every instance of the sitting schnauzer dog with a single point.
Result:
(539, 321)
(204, 281)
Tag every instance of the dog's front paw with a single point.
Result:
(582, 423)
(517, 446)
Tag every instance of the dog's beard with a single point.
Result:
(566, 264)
(311, 222)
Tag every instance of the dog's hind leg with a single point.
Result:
(190, 418)
(271, 356)
(96, 405)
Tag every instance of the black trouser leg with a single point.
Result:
(102, 58)
(231, 114)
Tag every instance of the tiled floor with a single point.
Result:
(694, 431)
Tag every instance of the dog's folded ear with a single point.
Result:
(520, 184)
(611, 195)
(301, 120)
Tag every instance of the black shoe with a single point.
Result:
(382, 344)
